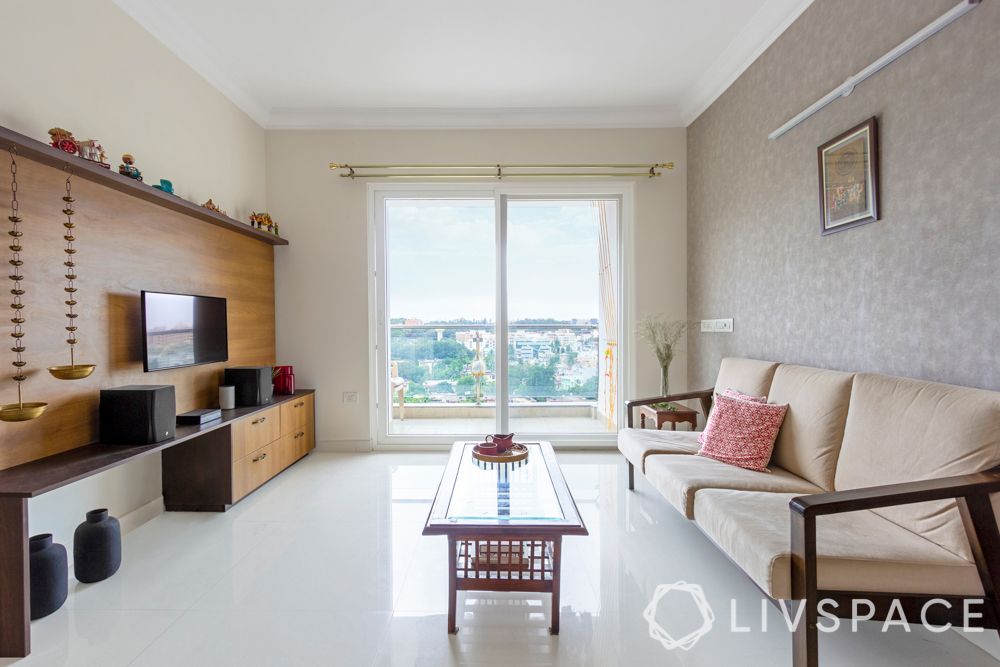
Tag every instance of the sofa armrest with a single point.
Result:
(904, 493)
(705, 396)
(971, 491)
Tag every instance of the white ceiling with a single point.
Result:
(468, 63)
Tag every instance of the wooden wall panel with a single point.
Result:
(124, 246)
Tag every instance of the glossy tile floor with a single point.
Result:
(326, 566)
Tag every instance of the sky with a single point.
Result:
(441, 259)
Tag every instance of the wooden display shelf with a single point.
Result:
(47, 474)
(41, 152)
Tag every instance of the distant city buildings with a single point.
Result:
(567, 355)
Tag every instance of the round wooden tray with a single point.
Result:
(517, 452)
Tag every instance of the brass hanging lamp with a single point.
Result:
(22, 410)
(74, 371)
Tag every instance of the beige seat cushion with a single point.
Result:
(679, 478)
(808, 443)
(749, 376)
(901, 430)
(859, 551)
(637, 443)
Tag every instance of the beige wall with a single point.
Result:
(87, 67)
(91, 69)
(322, 288)
(915, 294)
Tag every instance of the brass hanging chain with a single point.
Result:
(70, 265)
(16, 276)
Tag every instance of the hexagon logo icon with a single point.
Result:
(660, 634)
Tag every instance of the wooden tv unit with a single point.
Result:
(213, 471)
(206, 467)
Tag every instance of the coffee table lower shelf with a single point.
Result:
(526, 564)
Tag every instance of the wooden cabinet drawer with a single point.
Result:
(253, 432)
(286, 448)
(293, 447)
(254, 469)
(302, 441)
(296, 414)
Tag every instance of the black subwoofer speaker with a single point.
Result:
(138, 414)
(253, 384)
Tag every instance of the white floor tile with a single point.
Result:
(326, 565)
(261, 638)
(93, 638)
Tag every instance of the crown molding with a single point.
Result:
(766, 25)
(160, 21)
(438, 119)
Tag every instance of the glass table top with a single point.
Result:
(504, 491)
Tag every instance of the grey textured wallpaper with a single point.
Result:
(915, 294)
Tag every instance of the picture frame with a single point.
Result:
(848, 179)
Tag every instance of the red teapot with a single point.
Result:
(503, 442)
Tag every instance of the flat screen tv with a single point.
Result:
(182, 330)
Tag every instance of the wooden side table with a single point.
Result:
(661, 415)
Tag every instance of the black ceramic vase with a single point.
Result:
(97, 547)
(49, 575)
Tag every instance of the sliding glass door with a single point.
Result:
(441, 300)
(496, 313)
(558, 270)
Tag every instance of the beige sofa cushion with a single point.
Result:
(679, 478)
(808, 443)
(749, 376)
(859, 551)
(901, 430)
(637, 443)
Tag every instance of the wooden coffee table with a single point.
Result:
(505, 524)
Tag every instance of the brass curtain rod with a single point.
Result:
(497, 171)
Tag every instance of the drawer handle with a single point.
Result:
(258, 421)
(261, 457)
(300, 434)
(299, 404)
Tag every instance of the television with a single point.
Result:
(181, 330)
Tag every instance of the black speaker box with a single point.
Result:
(253, 384)
(138, 414)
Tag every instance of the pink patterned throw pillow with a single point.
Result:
(732, 393)
(736, 393)
(741, 433)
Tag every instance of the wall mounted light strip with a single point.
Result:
(500, 171)
(846, 88)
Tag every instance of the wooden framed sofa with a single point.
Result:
(880, 489)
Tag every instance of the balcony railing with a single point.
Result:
(548, 362)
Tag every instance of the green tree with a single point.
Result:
(465, 386)
(412, 371)
(533, 380)
(451, 349)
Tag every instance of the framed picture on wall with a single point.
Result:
(848, 178)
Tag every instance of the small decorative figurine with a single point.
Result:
(212, 206)
(92, 150)
(128, 167)
(262, 220)
(63, 140)
(165, 185)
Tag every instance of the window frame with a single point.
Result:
(379, 393)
